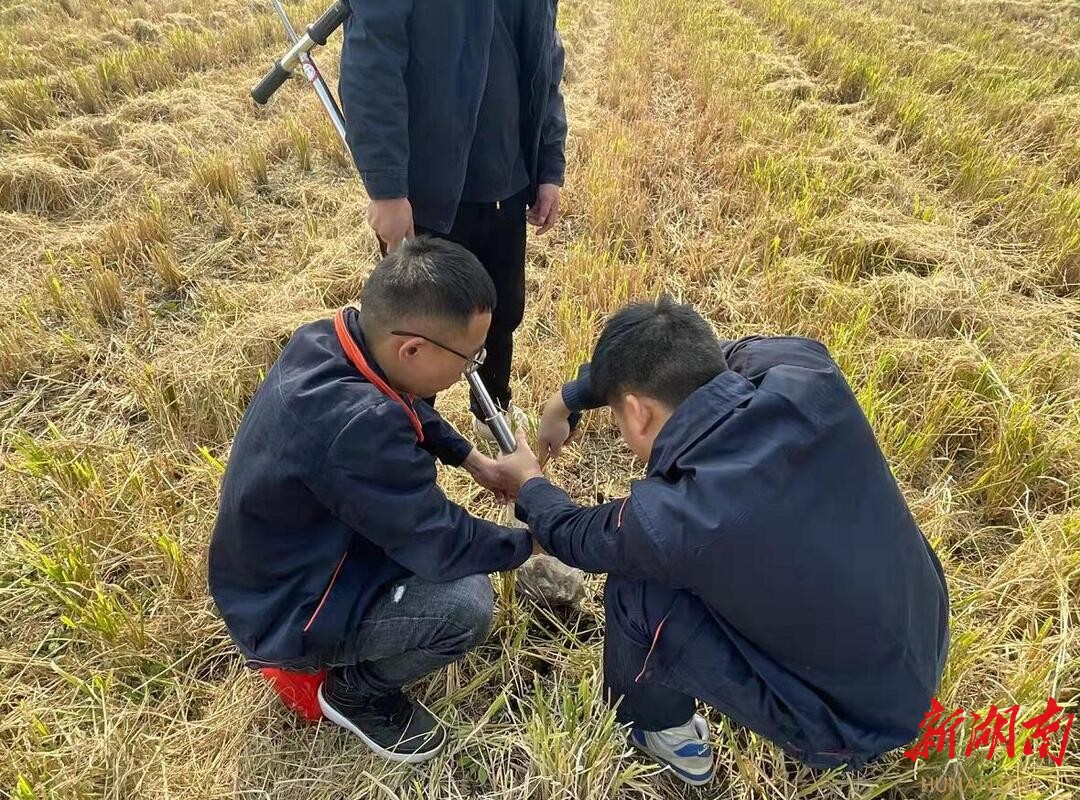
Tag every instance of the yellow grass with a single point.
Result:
(899, 181)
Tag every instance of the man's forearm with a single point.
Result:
(576, 535)
(577, 396)
(441, 439)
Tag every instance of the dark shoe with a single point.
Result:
(392, 725)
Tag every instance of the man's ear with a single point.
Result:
(637, 412)
(409, 348)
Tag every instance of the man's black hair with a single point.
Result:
(664, 350)
(425, 277)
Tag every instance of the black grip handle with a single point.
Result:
(330, 21)
(269, 84)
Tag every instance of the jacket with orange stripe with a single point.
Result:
(811, 609)
(328, 497)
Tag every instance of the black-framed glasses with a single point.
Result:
(473, 362)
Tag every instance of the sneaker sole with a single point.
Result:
(681, 774)
(342, 721)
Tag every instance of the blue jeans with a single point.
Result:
(412, 629)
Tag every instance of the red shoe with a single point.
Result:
(299, 691)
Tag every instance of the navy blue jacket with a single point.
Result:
(814, 611)
(328, 496)
(412, 77)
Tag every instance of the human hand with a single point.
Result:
(519, 467)
(544, 213)
(554, 431)
(488, 473)
(392, 221)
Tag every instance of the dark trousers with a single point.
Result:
(412, 629)
(495, 234)
(633, 611)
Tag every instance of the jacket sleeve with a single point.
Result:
(374, 98)
(381, 484)
(608, 538)
(551, 166)
(441, 439)
(578, 396)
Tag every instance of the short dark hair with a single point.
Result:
(664, 350)
(425, 277)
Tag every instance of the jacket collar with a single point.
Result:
(352, 325)
(351, 339)
(696, 416)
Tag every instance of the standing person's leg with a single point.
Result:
(495, 234)
(662, 719)
(502, 252)
(468, 230)
(412, 629)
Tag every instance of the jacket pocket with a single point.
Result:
(325, 625)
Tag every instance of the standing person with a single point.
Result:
(458, 128)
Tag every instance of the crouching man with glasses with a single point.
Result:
(334, 549)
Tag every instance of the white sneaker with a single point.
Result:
(685, 749)
(515, 416)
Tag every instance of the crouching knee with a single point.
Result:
(469, 613)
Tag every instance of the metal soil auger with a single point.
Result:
(299, 56)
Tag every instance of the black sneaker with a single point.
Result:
(392, 725)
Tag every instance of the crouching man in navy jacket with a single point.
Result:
(334, 548)
(767, 564)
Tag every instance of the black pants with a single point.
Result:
(633, 611)
(495, 234)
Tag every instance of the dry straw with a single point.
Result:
(896, 180)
